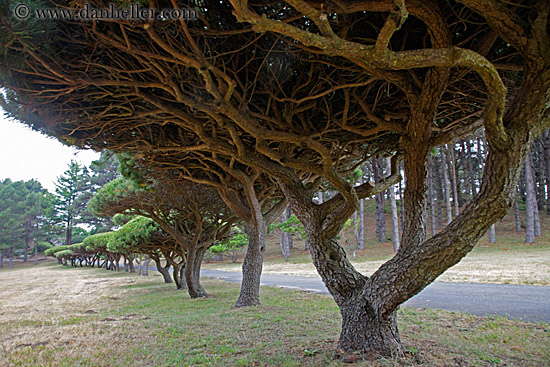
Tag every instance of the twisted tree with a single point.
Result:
(194, 215)
(304, 91)
(144, 236)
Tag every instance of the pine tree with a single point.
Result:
(70, 189)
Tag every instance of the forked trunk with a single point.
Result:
(163, 270)
(252, 265)
(131, 264)
(178, 272)
(364, 327)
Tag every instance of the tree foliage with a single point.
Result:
(24, 210)
(232, 246)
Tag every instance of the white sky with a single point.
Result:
(27, 154)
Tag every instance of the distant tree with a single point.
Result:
(285, 238)
(142, 235)
(101, 172)
(97, 244)
(70, 187)
(232, 246)
(23, 210)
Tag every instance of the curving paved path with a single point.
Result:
(524, 302)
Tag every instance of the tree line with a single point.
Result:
(33, 219)
(454, 175)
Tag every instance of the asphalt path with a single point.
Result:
(525, 302)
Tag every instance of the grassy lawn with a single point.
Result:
(508, 261)
(55, 316)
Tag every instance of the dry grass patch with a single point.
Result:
(52, 315)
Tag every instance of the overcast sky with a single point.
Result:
(27, 154)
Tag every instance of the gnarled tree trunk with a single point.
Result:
(253, 263)
(192, 272)
(163, 270)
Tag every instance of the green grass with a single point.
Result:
(212, 333)
(301, 329)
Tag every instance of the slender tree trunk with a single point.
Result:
(359, 223)
(536, 218)
(11, 257)
(538, 232)
(176, 276)
(539, 173)
(531, 203)
(492, 234)
(253, 263)
(446, 187)
(516, 212)
(438, 191)
(394, 219)
(467, 164)
(400, 206)
(361, 241)
(35, 252)
(451, 160)
(144, 266)
(69, 232)
(469, 167)
(380, 204)
(1, 259)
(431, 195)
(116, 258)
(181, 273)
(27, 240)
(546, 142)
(285, 245)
